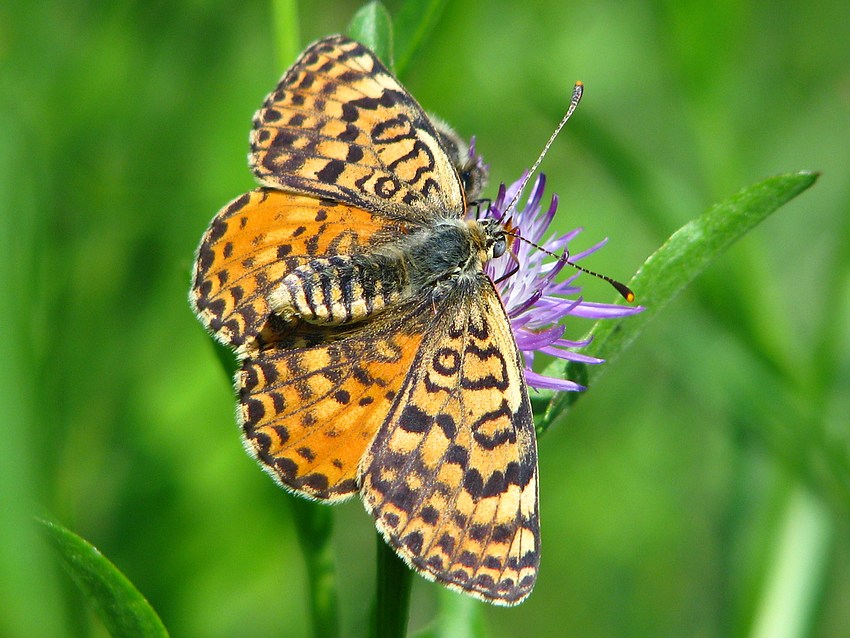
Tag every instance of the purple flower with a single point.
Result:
(535, 302)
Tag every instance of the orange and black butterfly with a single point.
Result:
(375, 354)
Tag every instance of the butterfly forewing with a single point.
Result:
(259, 238)
(339, 125)
(451, 477)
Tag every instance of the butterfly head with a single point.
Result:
(489, 238)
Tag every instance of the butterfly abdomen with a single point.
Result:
(341, 289)
(347, 288)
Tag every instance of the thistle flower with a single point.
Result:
(534, 301)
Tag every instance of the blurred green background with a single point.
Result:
(700, 489)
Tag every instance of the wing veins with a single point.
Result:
(318, 399)
(381, 78)
(353, 64)
(466, 528)
(458, 395)
(368, 151)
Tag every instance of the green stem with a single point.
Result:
(393, 595)
(313, 524)
(460, 616)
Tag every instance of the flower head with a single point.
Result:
(534, 301)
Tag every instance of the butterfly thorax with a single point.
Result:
(431, 261)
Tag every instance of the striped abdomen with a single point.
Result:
(341, 289)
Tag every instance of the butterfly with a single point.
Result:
(375, 355)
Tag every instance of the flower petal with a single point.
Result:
(534, 301)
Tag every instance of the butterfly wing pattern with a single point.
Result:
(451, 477)
(419, 402)
(340, 126)
(259, 238)
(312, 401)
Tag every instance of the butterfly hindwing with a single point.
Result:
(451, 477)
(311, 402)
(340, 126)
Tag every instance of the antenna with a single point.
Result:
(578, 89)
(622, 288)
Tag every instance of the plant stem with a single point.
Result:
(393, 595)
(313, 524)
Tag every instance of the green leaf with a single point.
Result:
(372, 26)
(673, 266)
(286, 31)
(121, 607)
(801, 559)
(415, 20)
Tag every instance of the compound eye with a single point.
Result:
(499, 247)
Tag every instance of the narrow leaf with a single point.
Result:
(673, 266)
(286, 31)
(121, 607)
(415, 20)
(372, 26)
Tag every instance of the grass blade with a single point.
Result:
(121, 607)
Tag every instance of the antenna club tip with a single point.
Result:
(624, 290)
(578, 90)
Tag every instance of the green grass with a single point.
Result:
(699, 489)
